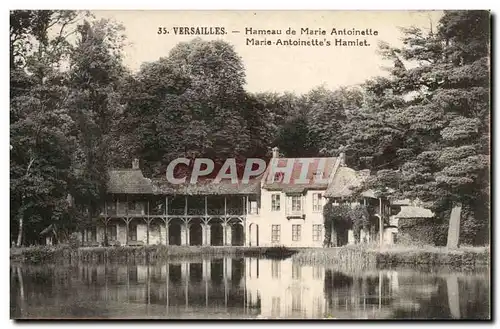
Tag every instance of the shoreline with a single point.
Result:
(349, 257)
(359, 257)
(65, 254)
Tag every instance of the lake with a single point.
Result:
(239, 288)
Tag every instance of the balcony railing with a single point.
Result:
(295, 212)
(160, 211)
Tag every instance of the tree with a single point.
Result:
(430, 124)
(327, 113)
(40, 123)
(95, 78)
(196, 105)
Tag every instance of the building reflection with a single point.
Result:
(249, 287)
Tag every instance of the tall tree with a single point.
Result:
(196, 103)
(429, 121)
(95, 77)
(40, 122)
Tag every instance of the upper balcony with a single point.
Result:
(179, 206)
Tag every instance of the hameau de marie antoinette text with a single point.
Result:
(343, 37)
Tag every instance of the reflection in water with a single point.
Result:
(244, 288)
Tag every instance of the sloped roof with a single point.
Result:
(129, 181)
(48, 230)
(401, 202)
(208, 187)
(345, 180)
(316, 165)
(414, 212)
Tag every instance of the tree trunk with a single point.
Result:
(453, 296)
(20, 231)
(21, 214)
(454, 227)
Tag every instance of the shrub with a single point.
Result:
(74, 242)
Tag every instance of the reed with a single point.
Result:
(349, 258)
(358, 257)
(68, 255)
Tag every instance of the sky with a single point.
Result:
(276, 68)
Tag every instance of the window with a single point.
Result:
(112, 233)
(296, 301)
(275, 308)
(275, 202)
(296, 203)
(317, 202)
(132, 233)
(317, 232)
(93, 234)
(253, 207)
(278, 177)
(131, 205)
(318, 307)
(276, 269)
(276, 231)
(394, 237)
(132, 274)
(296, 271)
(317, 272)
(296, 228)
(154, 230)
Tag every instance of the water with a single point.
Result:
(244, 288)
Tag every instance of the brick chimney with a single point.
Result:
(135, 164)
(276, 152)
(342, 159)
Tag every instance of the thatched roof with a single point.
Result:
(414, 212)
(345, 181)
(322, 166)
(207, 187)
(129, 181)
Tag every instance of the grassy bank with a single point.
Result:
(360, 257)
(65, 254)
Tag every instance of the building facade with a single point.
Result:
(271, 210)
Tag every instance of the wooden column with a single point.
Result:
(183, 234)
(126, 231)
(208, 232)
(106, 237)
(225, 206)
(206, 206)
(381, 223)
(229, 235)
(147, 231)
(167, 280)
(203, 234)
(185, 205)
(167, 223)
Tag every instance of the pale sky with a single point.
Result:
(276, 68)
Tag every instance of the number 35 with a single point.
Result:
(162, 30)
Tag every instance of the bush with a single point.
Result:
(74, 241)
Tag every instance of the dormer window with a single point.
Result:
(318, 174)
(278, 177)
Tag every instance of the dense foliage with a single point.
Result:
(342, 217)
(76, 111)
